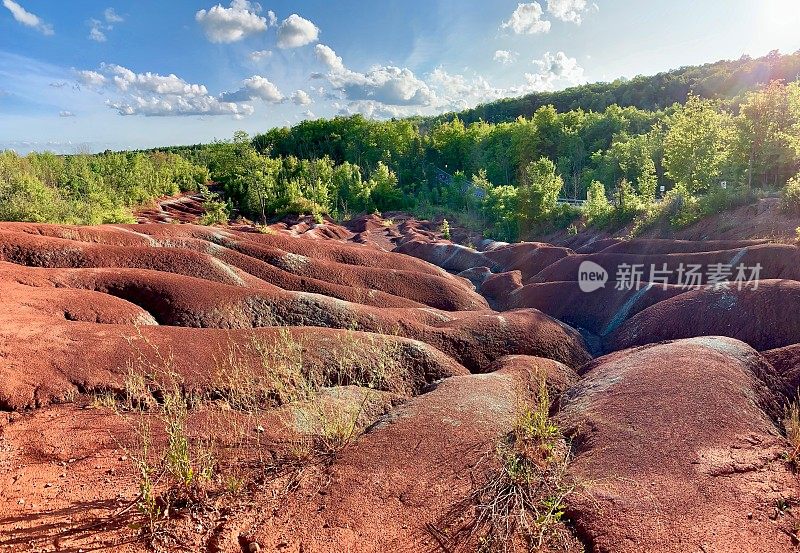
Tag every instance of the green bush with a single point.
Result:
(24, 198)
(791, 195)
(537, 198)
(217, 211)
(89, 189)
(597, 207)
(684, 209)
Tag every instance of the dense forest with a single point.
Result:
(652, 147)
(726, 80)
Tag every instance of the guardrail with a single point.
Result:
(571, 201)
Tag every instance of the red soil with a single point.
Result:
(762, 316)
(380, 303)
(395, 504)
(677, 450)
(776, 261)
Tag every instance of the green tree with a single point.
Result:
(384, 191)
(539, 193)
(697, 145)
(597, 207)
(768, 124)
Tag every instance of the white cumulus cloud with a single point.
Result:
(527, 19)
(112, 17)
(301, 98)
(66, 114)
(99, 28)
(505, 56)
(372, 109)
(555, 68)
(296, 31)
(389, 85)
(96, 32)
(91, 78)
(27, 18)
(568, 10)
(232, 24)
(457, 92)
(255, 87)
(151, 94)
(327, 56)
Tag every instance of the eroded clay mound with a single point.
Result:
(449, 256)
(786, 362)
(46, 361)
(653, 246)
(775, 261)
(184, 208)
(529, 258)
(600, 312)
(766, 316)
(223, 257)
(676, 449)
(389, 491)
(75, 299)
(474, 338)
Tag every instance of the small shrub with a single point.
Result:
(524, 499)
(104, 400)
(445, 229)
(189, 466)
(217, 212)
(597, 207)
(791, 195)
(338, 429)
(275, 378)
(627, 206)
(563, 215)
(328, 428)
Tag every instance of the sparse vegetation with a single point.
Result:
(182, 467)
(520, 507)
(217, 212)
(444, 229)
(791, 425)
(332, 427)
(791, 195)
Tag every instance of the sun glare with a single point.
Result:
(779, 19)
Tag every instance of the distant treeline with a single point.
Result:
(505, 176)
(722, 80)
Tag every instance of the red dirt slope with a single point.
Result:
(676, 450)
(435, 347)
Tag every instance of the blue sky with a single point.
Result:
(90, 75)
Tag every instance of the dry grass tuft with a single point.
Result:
(791, 425)
(192, 453)
(520, 507)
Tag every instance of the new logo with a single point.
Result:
(591, 276)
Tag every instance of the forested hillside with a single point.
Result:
(505, 178)
(726, 80)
